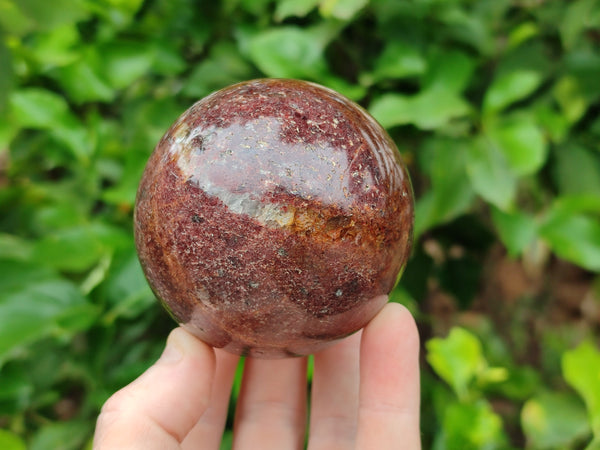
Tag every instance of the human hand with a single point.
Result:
(365, 395)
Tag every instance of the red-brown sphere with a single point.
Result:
(273, 217)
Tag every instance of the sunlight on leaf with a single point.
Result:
(570, 97)
(522, 33)
(472, 426)
(554, 420)
(341, 9)
(294, 8)
(581, 369)
(457, 359)
(11, 441)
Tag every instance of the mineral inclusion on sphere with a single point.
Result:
(273, 218)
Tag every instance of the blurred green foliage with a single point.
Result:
(493, 103)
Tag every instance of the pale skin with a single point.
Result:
(365, 395)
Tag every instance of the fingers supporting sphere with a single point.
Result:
(365, 394)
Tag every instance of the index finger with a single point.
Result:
(160, 408)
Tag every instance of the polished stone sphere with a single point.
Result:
(273, 218)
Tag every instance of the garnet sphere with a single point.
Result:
(273, 218)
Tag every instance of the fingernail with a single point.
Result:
(172, 352)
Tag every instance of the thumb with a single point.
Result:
(160, 408)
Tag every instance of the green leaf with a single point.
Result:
(341, 9)
(16, 390)
(584, 65)
(490, 175)
(69, 435)
(294, 8)
(472, 427)
(13, 20)
(427, 110)
(594, 444)
(78, 318)
(457, 359)
(449, 71)
(509, 88)
(121, 12)
(451, 194)
(353, 91)
(581, 369)
(6, 77)
(14, 247)
(126, 288)
(11, 441)
(436, 107)
(33, 312)
(21, 273)
(522, 143)
(76, 248)
(579, 16)
(574, 205)
(227, 441)
(8, 131)
(42, 109)
(48, 15)
(83, 80)
(259, 8)
(288, 52)
(398, 59)
(554, 420)
(553, 123)
(39, 108)
(168, 59)
(473, 27)
(392, 109)
(124, 61)
(223, 66)
(573, 236)
(63, 212)
(577, 170)
(56, 47)
(522, 33)
(571, 98)
(517, 230)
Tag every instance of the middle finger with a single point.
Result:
(271, 409)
